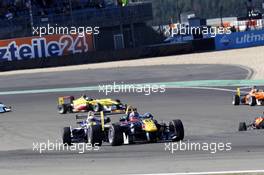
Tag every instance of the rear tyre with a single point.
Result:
(62, 109)
(66, 136)
(176, 128)
(94, 135)
(151, 137)
(70, 109)
(236, 100)
(118, 101)
(259, 102)
(243, 100)
(242, 126)
(252, 101)
(115, 135)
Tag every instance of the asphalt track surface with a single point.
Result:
(207, 115)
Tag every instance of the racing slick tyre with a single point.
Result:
(236, 100)
(242, 126)
(252, 101)
(131, 139)
(259, 102)
(115, 135)
(118, 101)
(97, 107)
(243, 100)
(66, 136)
(151, 137)
(62, 109)
(261, 125)
(176, 128)
(94, 135)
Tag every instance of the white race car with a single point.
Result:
(4, 108)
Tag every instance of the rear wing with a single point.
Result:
(65, 100)
(105, 113)
(97, 114)
(102, 115)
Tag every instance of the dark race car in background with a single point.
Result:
(257, 123)
(135, 127)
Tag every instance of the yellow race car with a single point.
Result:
(85, 104)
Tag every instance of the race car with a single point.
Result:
(85, 104)
(93, 128)
(134, 127)
(258, 123)
(90, 130)
(131, 128)
(253, 97)
(4, 108)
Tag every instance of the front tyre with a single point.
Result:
(259, 102)
(236, 100)
(242, 126)
(151, 137)
(62, 109)
(115, 135)
(94, 135)
(252, 101)
(176, 129)
(66, 136)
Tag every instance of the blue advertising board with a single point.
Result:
(239, 40)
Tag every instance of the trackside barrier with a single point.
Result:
(106, 56)
(203, 45)
(95, 57)
(239, 40)
(42, 47)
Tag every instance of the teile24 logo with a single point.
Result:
(43, 47)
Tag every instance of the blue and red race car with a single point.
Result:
(131, 128)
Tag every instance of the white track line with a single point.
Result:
(36, 91)
(210, 173)
(209, 88)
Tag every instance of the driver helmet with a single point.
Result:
(254, 89)
(87, 98)
(133, 116)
